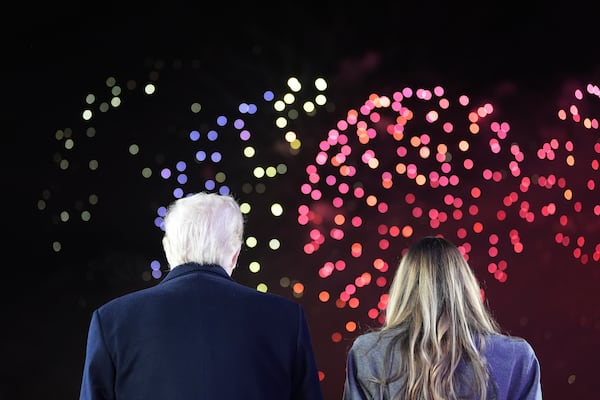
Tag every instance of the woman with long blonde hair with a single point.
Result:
(439, 341)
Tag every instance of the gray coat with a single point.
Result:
(512, 363)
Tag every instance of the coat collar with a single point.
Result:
(189, 268)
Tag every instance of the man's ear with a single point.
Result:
(166, 247)
(234, 259)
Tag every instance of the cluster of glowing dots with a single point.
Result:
(455, 171)
(584, 204)
(573, 112)
(335, 152)
(215, 151)
(216, 154)
(68, 141)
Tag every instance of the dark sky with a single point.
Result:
(53, 54)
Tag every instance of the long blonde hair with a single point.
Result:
(435, 302)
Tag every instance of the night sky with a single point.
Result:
(479, 123)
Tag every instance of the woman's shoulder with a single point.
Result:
(366, 338)
(512, 362)
(507, 341)
(502, 345)
(371, 339)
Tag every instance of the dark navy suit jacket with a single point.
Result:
(198, 334)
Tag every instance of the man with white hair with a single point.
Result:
(198, 334)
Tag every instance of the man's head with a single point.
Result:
(205, 228)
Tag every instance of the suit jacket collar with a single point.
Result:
(190, 268)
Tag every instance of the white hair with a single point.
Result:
(205, 228)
